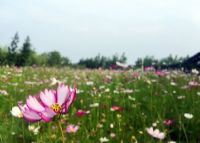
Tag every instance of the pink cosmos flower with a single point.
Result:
(149, 68)
(136, 74)
(155, 133)
(48, 104)
(160, 73)
(116, 108)
(81, 113)
(72, 128)
(193, 84)
(168, 122)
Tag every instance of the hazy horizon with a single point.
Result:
(80, 29)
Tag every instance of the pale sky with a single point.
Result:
(84, 28)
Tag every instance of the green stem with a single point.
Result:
(61, 130)
(183, 127)
(23, 132)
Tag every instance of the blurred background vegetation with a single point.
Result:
(14, 55)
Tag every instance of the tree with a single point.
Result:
(147, 61)
(54, 58)
(26, 54)
(65, 61)
(138, 62)
(40, 59)
(123, 58)
(12, 50)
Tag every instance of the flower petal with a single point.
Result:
(62, 94)
(31, 116)
(72, 128)
(34, 104)
(70, 99)
(47, 97)
(150, 130)
(48, 114)
(161, 136)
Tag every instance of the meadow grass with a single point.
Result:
(144, 99)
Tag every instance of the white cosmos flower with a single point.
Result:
(180, 97)
(188, 115)
(103, 140)
(195, 71)
(16, 112)
(101, 87)
(128, 91)
(111, 125)
(108, 77)
(148, 81)
(3, 92)
(171, 142)
(173, 83)
(155, 133)
(112, 135)
(89, 83)
(116, 91)
(54, 81)
(107, 90)
(94, 105)
(154, 124)
(34, 129)
(131, 98)
(79, 91)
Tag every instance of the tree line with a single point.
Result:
(13, 55)
(167, 62)
(102, 61)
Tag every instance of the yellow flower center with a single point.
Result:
(56, 107)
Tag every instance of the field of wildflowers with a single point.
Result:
(92, 106)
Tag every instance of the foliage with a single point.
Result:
(12, 50)
(3, 56)
(26, 56)
(147, 61)
(102, 61)
(160, 63)
(54, 58)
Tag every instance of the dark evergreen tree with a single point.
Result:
(12, 50)
(25, 56)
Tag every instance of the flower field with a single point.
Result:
(110, 106)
